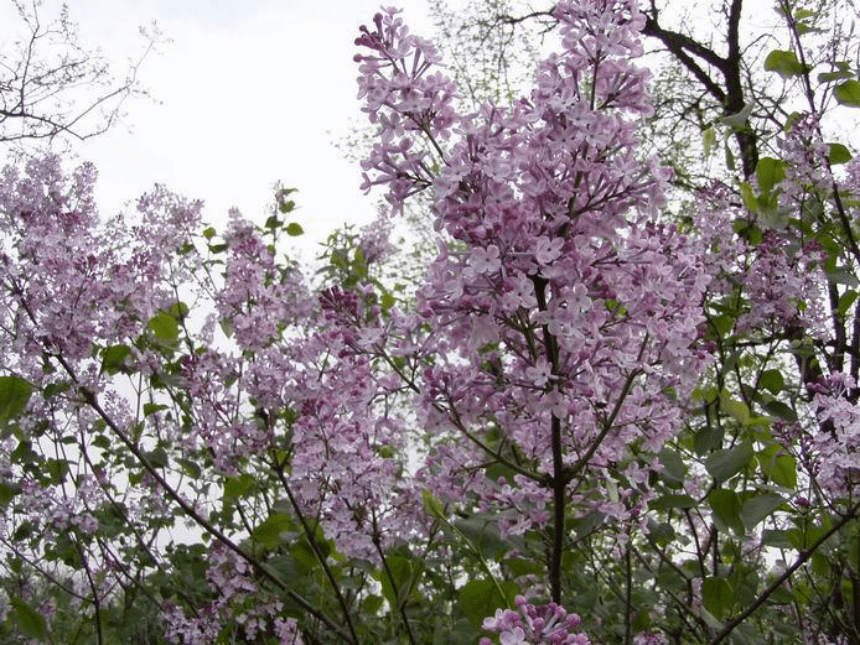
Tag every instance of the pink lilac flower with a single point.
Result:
(534, 625)
(548, 244)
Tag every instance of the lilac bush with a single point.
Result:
(585, 405)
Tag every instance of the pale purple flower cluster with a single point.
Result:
(783, 287)
(74, 282)
(258, 297)
(546, 231)
(403, 99)
(804, 154)
(535, 625)
(835, 447)
(777, 282)
(375, 242)
(237, 598)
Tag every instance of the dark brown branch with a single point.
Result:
(559, 480)
(511, 20)
(681, 47)
(729, 94)
(776, 584)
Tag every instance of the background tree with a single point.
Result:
(52, 87)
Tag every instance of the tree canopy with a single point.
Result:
(619, 406)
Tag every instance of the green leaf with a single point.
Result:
(158, 458)
(269, 532)
(189, 467)
(739, 120)
(776, 538)
(31, 623)
(236, 487)
(717, 596)
(826, 77)
(7, 492)
(524, 567)
(821, 564)
(165, 327)
(101, 441)
(730, 158)
(848, 93)
(226, 327)
(722, 325)
(735, 409)
(748, 197)
(432, 505)
(57, 387)
(772, 216)
(179, 310)
(758, 508)
(772, 381)
(387, 301)
(674, 471)
(371, 605)
(14, 394)
(152, 408)
(400, 569)
(769, 173)
(784, 63)
(113, 358)
(724, 464)
(709, 139)
(782, 469)
(481, 598)
(209, 233)
(273, 222)
(842, 275)
(838, 154)
(726, 506)
(483, 534)
(781, 411)
(294, 229)
(846, 300)
(57, 469)
(708, 438)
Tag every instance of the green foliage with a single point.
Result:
(15, 393)
(784, 63)
(480, 598)
(848, 93)
(29, 622)
(724, 464)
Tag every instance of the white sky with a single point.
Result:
(251, 92)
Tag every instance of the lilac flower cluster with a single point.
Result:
(554, 285)
(238, 600)
(834, 449)
(534, 625)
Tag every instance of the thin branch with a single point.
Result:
(776, 584)
(92, 401)
(401, 607)
(317, 552)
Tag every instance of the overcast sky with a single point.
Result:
(250, 92)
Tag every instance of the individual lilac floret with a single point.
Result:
(534, 624)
